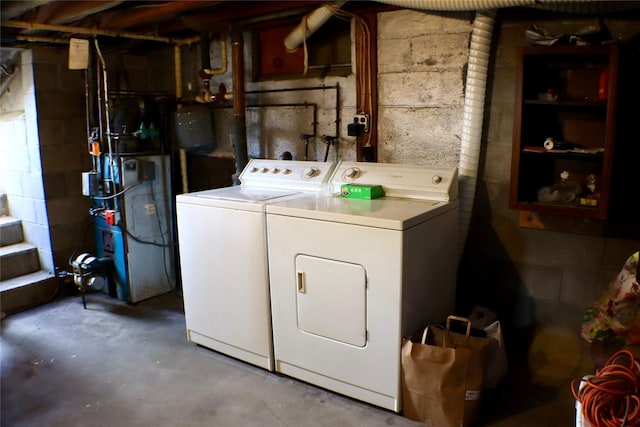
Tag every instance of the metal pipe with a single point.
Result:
(57, 40)
(106, 111)
(337, 141)
(223, 59)
(86, 111)
(293, 89)
(182, 153)
(91, 31)
(240, 125)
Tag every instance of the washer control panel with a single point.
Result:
(288, 174)
(399, 180)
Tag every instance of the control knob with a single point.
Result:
(286, 171)
(254, 169)
(352, 173)
(264, 170)
(275, 170)
(436, 179)
(310, 172)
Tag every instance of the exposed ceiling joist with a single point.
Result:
(13, 9)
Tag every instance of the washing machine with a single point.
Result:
(350, 277)
(223, 256)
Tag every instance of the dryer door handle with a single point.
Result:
(300, 281)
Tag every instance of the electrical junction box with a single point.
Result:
(135, 171)
(89, 183)
(360, 124)
(353, 191)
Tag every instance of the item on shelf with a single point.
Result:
(564, 191)
(553, 144)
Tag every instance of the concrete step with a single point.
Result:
(17, 260)
(27, 291)
(4, 205)
(10, 231)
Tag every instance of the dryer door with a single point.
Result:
(331, 299)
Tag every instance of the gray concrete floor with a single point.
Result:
(115, 364)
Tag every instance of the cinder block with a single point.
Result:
(440, 52)
(56, 185)
(47, 76)
(394, 56)
(542, 281)
(497, 161)
(421, 89)
(581, 286)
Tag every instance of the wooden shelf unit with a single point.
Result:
(569, 94)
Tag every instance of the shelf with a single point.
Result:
(559, 208)
(577, 152)
(568, 104)
(577, 76)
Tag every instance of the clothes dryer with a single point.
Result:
(223, 256)
(350, 277)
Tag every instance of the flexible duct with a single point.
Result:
(457, 5)
(310, 23)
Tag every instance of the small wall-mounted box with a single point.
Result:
(89, 183)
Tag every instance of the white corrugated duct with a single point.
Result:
(474, 99)
(310, 23)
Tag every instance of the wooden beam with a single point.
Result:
(149, 13)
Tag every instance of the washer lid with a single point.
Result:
(387, 212)
(241, 198)
(244, 194)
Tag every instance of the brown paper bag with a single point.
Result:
(443, 376)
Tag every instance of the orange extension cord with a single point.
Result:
(611, 397)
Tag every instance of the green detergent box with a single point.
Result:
(354, 191)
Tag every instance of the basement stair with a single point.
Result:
(23, 284)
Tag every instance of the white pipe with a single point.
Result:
(310, 23)
(458, 5)
(474, 100)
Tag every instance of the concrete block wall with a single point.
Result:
(63, 147)
(421, 63)
(21, 176)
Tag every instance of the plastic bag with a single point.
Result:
(617, 308)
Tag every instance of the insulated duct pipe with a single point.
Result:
(310, 23)
(240, 126)
(474, 100)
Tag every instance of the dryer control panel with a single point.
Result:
(399, 180)
(286, 174)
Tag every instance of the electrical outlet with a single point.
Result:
(362, 119)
